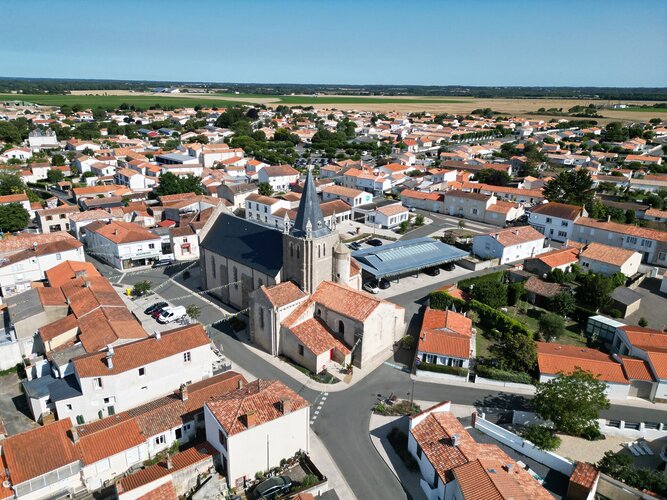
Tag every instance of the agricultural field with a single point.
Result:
(114, 101)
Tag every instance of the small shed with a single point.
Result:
(626, 300)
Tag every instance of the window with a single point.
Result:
(261, 318)
(647, 243)
(549, 220)
(68, 407)
(419, 451)
(301, 350)
(632, 240)
(473, 211)
(97, 383)
(341, 327)
(185, 240)
(142, 371)
(160, 440)
(324, 250)
(187, 357)
(222, 438)
(564, 223)
(59, 256)
(109, 400)
(662, 256)
(151, 246)
(213, 265)
(179, 433)
(562, 234)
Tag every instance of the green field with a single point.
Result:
(644, 110)
(113, 101)
(324, 99)
(226, 100)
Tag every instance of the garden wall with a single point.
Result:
(551, 460)
(447, 376)
(500, 383)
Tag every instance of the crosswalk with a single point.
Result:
(321, 399)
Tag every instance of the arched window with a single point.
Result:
(260, 282)
(341, 327)
(298, 252)
(324, 250)
(261, 318)
(213, 265)
(318, 251)
(291, 250)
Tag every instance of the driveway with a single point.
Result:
(652, 306)
(13, 406)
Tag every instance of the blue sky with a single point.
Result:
(439, 42)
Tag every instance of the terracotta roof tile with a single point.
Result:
(317, 338)
(60, 274)
(346, 301)
(607, 254)
(163, 492)
(584, 474)
(283, 293)
(108, 442)
(559, 210)
(555, 358)
(517, 235)
(261, 397)
(647, 339)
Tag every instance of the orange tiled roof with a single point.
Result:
(142, 352)
(584, 474)
(345, 300)
(555, 358)
(283, 293)
(636, 369)
(65, 271)
(162, 492)
(659, 362)
(647, 339)
(517, 235)
(607, 254)
(445, 332)
(624, 229)
(317, 338)
(557, 258)
(122, 232)
(262, 397)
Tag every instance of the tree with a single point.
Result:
(404, 227)
(594, 291)
(542, 437)
(515, 352)
(551, 325)
(564, 304)
(58, 160)
(419, 220)
(11, 184)
(55, 175)
(493, 177)
(172, 184)
(622, 467)
(574, 187)
(265, 189)
(491, 293)
(514, 293)
(13, 217)
(572, 402)
(141, 288)
(642, 322)
(193, 311)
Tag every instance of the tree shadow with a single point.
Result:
(503, 401)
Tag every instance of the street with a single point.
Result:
(343, 421)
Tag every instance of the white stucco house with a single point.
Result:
(509, 245)
(556, 220)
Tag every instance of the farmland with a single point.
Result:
(114, 101)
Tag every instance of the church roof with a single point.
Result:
(254, 245)
(309, 215)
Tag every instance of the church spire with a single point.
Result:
(309, 219)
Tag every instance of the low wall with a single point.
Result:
(10, 355)
(501, 383)
(477, 265)
(616, 490)
(524, 447)
(447, 376)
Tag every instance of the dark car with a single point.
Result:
(449, 266)
(375, 242)
(432, 271)
(384, 284)
(158, 306)
(273, 487)
(161, 263)
(354, 246)
(155, 314)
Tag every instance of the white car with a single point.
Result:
(170, 314)
(371, 287)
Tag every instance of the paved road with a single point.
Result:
(442, 222)
(344, 418)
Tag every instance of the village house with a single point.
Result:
(122, 245)
(509, 245)
(51, 220)
(481, 207)
(445, 339)
(352, 197)
(255, 427)
(607, 260)
(279, 177)
(556, 220)
(236, 194)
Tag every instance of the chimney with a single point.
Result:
(184, 392)
(250, 419)
(109, 357)
(286, 405)
(86, 284)
(75, 435)
(473, 419)
(170, 464)
(508, 467)
(82, 273)
(455, 439)
(608, 218)
(115, 232)
(157, 335)
(34, 246)
(240, 384)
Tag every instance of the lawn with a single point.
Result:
(114, 101)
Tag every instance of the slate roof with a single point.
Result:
(309, 214)
(246, 242)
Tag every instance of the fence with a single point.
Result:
(551, 460)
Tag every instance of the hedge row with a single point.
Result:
(442, 300)
(505, 376)
(496, 276)
(493, 318)
(451, 370)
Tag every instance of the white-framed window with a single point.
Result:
(187, 357)
(59, 256)
(151, 246)
(97, 383)
(160, 439)
(142, 371)
(632, 240)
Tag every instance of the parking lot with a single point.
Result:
(399, 286)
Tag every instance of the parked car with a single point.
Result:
(384, 284)
(432, 271)
(375, 242)
(158, 306)
(273, 487)
(354, 245)
(449, 266)
(161, 263)
(169, 314)
(371, 287)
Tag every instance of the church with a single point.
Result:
(301, 287)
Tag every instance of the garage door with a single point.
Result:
(640, 389)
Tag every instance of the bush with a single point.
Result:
(499, 320)
(491, 293)
(399, 441)
(407, 342)
(642, 322)
(442, 300)
(615, 313)
(451, 370)
(514, 293)
(621, 467)
(493, 277)
(503, 375)
(542, 437)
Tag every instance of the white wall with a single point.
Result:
(248, 452)
(95, 474)
(554, 228)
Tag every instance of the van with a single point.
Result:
(170, 314)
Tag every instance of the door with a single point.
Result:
(331, 354)
(111, 410)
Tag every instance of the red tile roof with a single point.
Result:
(163, 492)
(584, 474)
(517, 235)
(60, 274)
(122, 232)
(347, 301)
(142, 352)
(558, 258)
(607, 254)
(646, 339)
(446, 333)
(559, 210)
(636, 369)
(261, 397)
(108, 442)
(555, 358)
(283, 293)
(659, 362)
(317, 338)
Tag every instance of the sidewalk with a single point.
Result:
(326, 464)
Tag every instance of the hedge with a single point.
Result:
(442, 300)
(496, 276)
(451, 370)
(498, 319)
(505, 376)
